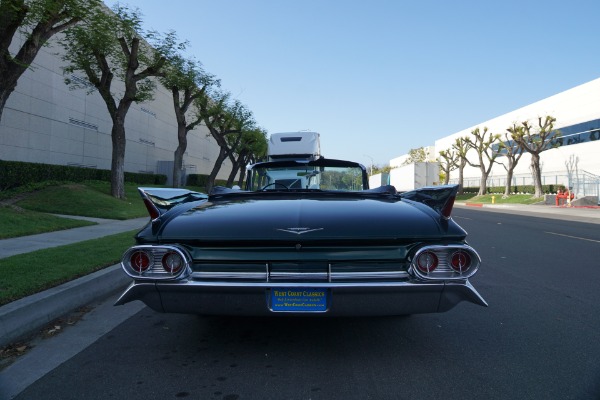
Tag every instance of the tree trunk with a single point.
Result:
(216, 168)
(11, 71)
(14, 15)
(482, 184)
(509, 176)
(536, 173)
(460, 178)
(234, 171)
(237, 165)
(4, 95)
(117, 173)
(242, 176)
(178, 158)
(11, 68)
(178, 166)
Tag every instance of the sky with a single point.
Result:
(377, 78)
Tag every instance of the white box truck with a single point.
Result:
(294, 146)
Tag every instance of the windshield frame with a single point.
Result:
(316, 165)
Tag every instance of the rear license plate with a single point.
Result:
(299, 299)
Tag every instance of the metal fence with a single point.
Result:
(586, 184)
(582, 183)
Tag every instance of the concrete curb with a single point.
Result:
(24, 316)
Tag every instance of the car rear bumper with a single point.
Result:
(343, 299)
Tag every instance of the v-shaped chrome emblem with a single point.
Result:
(299, 231)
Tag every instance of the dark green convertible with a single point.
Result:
(304, 237)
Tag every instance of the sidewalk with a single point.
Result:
(588, 214)
(29, 314)
(105, 227)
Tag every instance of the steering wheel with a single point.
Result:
(274, 184)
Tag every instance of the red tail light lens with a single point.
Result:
(445, 262)
(172, 262)
(427, 261)
(460, 261)
(156, 262)
(140, 261)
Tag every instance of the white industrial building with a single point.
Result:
(44, 121)
(574, 163)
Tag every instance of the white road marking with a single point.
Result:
(573, 237)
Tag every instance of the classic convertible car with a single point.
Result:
(303, 237)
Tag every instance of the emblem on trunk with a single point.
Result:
(299, 231)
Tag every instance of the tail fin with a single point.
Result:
(440, 198)
(160, 200)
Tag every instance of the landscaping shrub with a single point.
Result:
(14, 174)
(526, 189)
(201, 180)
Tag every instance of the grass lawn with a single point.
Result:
(512, 199)
(89, 199)
(16, 222)
(25, 274)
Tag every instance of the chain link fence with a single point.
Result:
(582, 183)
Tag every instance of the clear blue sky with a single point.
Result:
(379, 77)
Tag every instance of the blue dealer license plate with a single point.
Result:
(299, 299)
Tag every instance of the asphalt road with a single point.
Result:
(539, 339)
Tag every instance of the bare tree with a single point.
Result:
(482, 142)
(535, 140)
(188, 83)
(461, 149)
(448, 162)
(37, 21)
(512, 151)
(107, 46)
(572, 166)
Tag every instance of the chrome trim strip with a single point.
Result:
(299, 275)
(331, 277)
(369, 275)
(199, 275)
(229, 284)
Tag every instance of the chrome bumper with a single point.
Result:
(345, 299)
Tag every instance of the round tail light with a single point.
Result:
(460, 261)
(172, 262)
(140, 261)
(427, 261)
